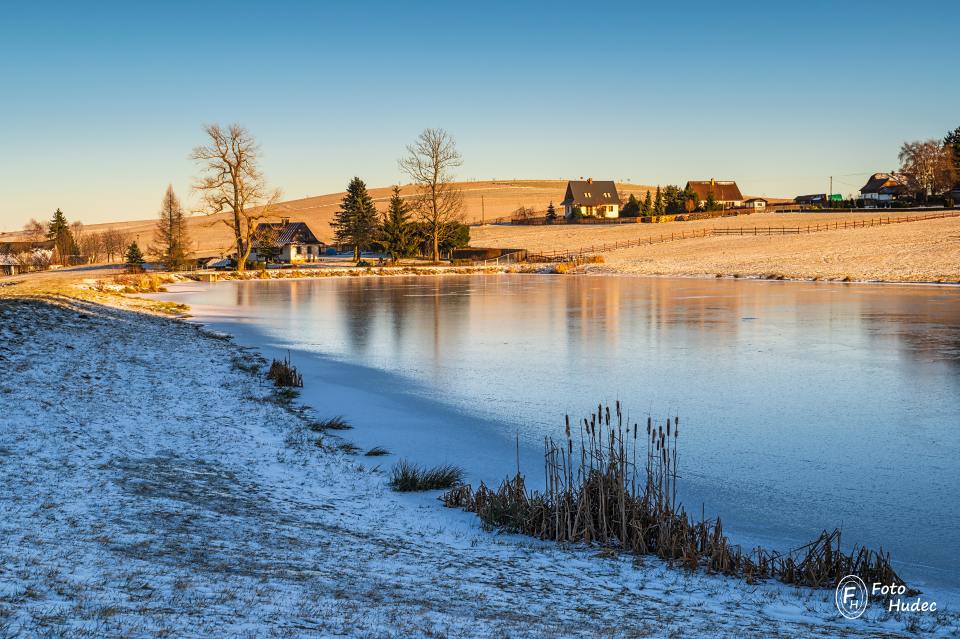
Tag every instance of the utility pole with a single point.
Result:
(482, 210)
(830, 194)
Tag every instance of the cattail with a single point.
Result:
(668, 426)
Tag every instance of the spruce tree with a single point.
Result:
(398, 235)
(647, 204)
(658, 204)
(632, 207)
(59, 231)
(551, 216)
(952, 140)
(356, 221)
(134, 257)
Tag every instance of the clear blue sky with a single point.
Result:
(101, 104)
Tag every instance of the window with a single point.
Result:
(298, 249)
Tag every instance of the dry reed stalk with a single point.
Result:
(589, 497)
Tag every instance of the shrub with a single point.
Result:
(408, 477)
(377, 451)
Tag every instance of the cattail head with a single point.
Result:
(668, 426)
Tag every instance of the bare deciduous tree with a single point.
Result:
(927, 167)
(35, 232)
(114, 243)
(232, 183)
(438, 203)
(91, 246)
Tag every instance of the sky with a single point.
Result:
(100, 105)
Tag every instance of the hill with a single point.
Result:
(485, 200)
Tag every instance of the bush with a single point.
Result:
(408, 477)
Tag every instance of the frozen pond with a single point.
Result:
(804, 406)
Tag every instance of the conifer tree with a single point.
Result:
(170, 234)
(398, 235)
(658, 204)
(356, 221)
(551, 216)
(134, 257)
(58, 230)
(632, 207)
(711, 203)
(647, 204)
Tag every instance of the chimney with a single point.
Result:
(284, 221)
(589, 180)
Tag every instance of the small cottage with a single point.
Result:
(285, 241)
(882, 187)
(725, 192)
(758, 204)
(592, 198)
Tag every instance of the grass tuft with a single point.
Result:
(377, 451)
(408, 477)
(336, 422)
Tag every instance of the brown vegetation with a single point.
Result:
(617, 487)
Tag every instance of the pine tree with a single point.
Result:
(712, 204)
(632, 207)
(134, 257)
(551, 216)
(356, 221)
(58, 230)
(398, 235)
(952, 140)
(647, 204)
(170, 234)
(658, 204)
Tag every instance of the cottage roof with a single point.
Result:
(590, 193)
(723, 191)
(289, 232)
(882, 183)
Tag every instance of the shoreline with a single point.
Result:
(789, 610)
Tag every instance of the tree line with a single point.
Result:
(72, 243)
(931, 168)
(430, 223)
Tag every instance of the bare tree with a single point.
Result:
(76, 229)
(927, 167)
(438, 202)
(170, 234)
(35, 232)
(114, 243)
(91, 246)
(232, 183)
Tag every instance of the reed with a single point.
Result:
(615, 485)
(284, 374)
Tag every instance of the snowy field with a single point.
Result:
(153, 486)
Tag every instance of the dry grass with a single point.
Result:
(408, 477)
(617, 487)
(284, 374)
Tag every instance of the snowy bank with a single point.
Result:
(153, 486)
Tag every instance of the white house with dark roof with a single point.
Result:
(292, 242)
(594, 198)
(882, 187)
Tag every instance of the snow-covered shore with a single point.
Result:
(153, 486)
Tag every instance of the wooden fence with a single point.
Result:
(561, 255)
